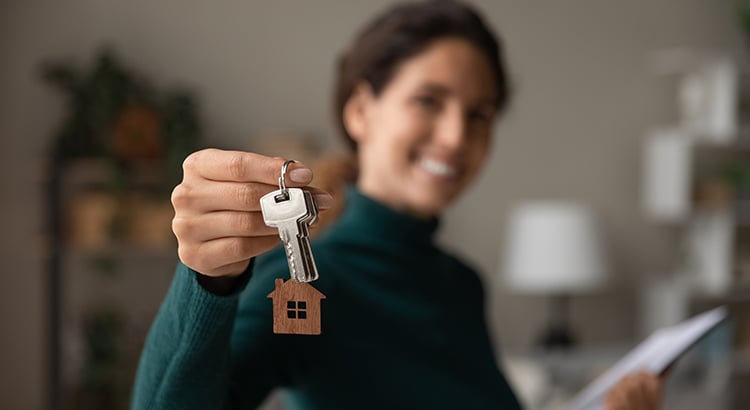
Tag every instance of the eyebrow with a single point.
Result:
(442, 90)
(434, 88)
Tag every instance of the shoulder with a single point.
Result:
(466, 273)
(459, 263)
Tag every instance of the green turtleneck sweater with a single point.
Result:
(403, 327)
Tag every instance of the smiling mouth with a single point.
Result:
(438, 168)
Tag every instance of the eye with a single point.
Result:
(428, 102)
(480, 117)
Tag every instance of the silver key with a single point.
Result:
(308, 263)
(312, 207)
(291, 211)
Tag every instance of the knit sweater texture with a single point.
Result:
(403, 327)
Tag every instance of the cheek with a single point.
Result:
(400, 129)
(478, 152)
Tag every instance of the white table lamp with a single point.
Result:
(554, 248)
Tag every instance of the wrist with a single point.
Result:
(224, 285)
(218, 285)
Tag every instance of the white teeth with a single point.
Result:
(438, 168)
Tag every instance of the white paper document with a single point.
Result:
(655, 354)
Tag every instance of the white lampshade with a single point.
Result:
(553, 247)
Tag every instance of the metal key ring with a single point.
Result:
(282, 178)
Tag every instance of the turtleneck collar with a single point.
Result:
(365, 214)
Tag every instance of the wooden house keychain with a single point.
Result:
(296, 303)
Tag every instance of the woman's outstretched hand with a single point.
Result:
(637, 391)
(218, 222)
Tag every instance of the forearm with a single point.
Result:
(185, 361)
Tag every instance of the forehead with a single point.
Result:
(451, 63)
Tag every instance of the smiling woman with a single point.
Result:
(424, 138)
(416, 96)
(403, 322)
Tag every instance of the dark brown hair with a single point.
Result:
(404, 31)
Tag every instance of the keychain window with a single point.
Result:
(296, 309)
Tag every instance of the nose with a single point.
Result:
(451, 129)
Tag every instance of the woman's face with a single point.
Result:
(423, 140)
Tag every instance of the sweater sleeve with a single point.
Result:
(189, 360)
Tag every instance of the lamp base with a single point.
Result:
(558, 334)
(556, 338)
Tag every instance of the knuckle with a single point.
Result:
(182, 227)
(237, 166)
(181, 196)
(191, 161)
(240, 247)
(247, 195)
(245, 222)
(177, 227)
(199, 264)
(187, 255)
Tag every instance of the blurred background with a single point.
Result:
(626, 127)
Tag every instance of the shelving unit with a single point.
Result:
(687, 186)
(104, 288)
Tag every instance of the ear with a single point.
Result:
(357, 110)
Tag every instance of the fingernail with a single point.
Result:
(301, 175)
(324, 201)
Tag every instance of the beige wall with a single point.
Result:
(584, 98)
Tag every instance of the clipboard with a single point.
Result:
(655, 354)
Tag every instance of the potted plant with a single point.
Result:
(116, 116)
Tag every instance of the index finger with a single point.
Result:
(240, 166)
